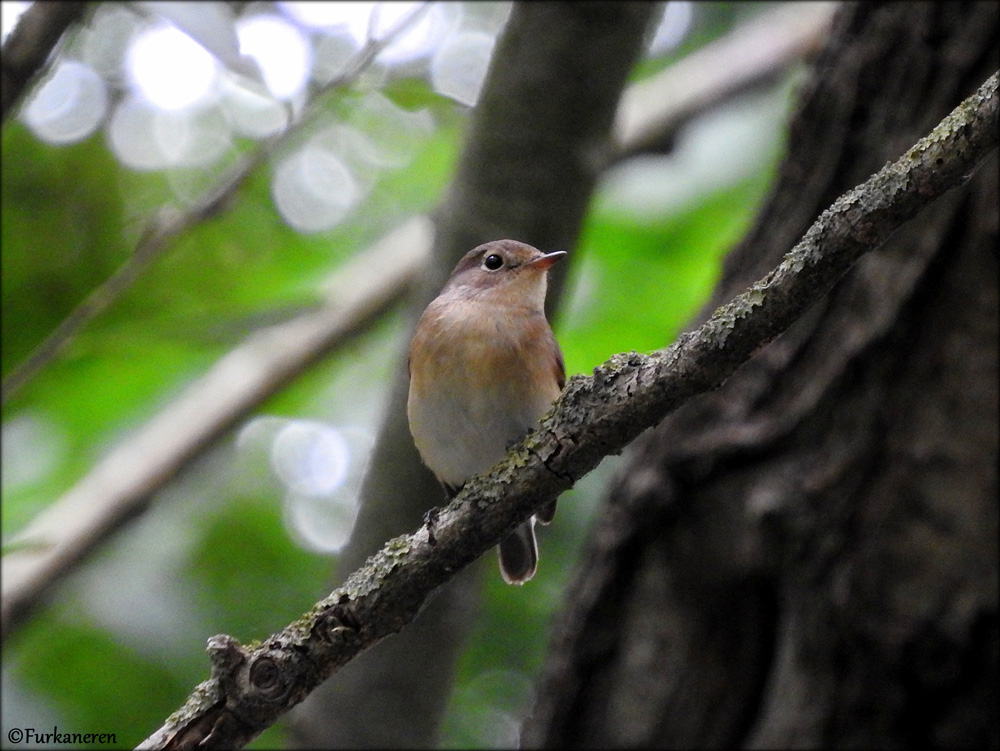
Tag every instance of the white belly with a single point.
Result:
(462, 434)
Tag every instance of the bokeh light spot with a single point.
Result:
(314, 190)
(282, 52)
(145, 137)
(310, 458)
(421, 37)
(459, 65)
(69, 106)
(170, 69)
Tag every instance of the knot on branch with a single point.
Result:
(254, 683)
(336, 625)
(226, 655)
(268, 677)
(265, 677)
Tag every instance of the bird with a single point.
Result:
(484, 366)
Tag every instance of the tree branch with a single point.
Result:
(654, 110)
(596, 416)
(29, 46)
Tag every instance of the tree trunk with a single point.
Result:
(808, 556)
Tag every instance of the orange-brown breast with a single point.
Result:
(480, 377)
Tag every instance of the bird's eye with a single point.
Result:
(493, 262)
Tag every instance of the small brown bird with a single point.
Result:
(484, 367)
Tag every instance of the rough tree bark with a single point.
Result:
(808, 556)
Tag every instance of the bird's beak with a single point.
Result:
(547, 260)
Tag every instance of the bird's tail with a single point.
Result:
(519, 554)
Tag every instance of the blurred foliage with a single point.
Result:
(651, 277)
(93, 677)
(215, 544)
(62, 215)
